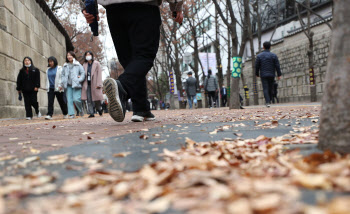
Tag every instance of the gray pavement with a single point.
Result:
(144, 151)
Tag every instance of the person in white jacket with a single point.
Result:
(135, 30)
(54, 88)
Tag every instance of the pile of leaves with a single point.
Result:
(237, 176)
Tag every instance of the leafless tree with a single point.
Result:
(335, 114)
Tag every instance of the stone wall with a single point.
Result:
(295, 84)
(26, 30)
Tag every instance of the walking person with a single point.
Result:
(28, 83)
(191, 90)
(266, 65)
(55, 88)
(223, 93)
(135, 30)
(211, 86)
(73, 75)
(92, 86)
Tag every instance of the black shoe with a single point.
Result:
(91, 115)
(142, 116)
(100, 112)
(117, 99)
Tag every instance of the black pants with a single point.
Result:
(135, 30)
(30, 99)
(51, 94)
(267, 83)
(224, 100)
(211, 97)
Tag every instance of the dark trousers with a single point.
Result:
(267, 83)
(135, 30)
(30, 99)
(224, 100)
(51, 94)
(211, 97)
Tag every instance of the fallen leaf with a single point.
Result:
(144, 137)
(121, 154)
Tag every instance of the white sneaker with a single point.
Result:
(28, 118)
(65, 116)
(72, 117)
(39, 115)
(137, 118)
(48, 117)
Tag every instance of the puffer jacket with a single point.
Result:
(175, 5)
(210, 84)
(58, 80)
(77, 75)
(267, 64)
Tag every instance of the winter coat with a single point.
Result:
(173, 6)
(191, 86)
(77, 71)
(58, 80)
(96, 81)
(267, 64)
(27, 82)
(210, 84)
(222, 91)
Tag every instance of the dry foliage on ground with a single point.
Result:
(231, 176)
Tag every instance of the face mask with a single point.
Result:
(88, 58)
(28, 65)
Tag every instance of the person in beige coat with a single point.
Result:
(92, 86)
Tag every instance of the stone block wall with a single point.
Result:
(25, 30)
(292, 53)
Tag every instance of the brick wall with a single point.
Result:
(25, 30)
(292, 52)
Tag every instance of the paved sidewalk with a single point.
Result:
(18, 136)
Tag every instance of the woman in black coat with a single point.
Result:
(28, 83)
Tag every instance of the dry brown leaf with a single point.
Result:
(240, 206)
(121, 154)
(145, 137)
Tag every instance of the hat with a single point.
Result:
(189, 73)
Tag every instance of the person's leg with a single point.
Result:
(27, 104)
(142, 22)
(34, 101)
(265, 86)
(50, 100)
(271, 82)
(98, 105)
(63, 105)
(77, 99)
(90, 103)
(118, 27)
(189, 98)
(70, 104)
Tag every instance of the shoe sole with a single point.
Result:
(114, 105)
(150, 119)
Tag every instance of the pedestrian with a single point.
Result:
(92, 86)
(266, 65)
(55, 88)
(191, 90)
(275, 92)
(73, 75)
(211, 87)
(223, 93)
(28, 84)
(135, 30)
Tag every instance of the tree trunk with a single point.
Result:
(335, 114)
